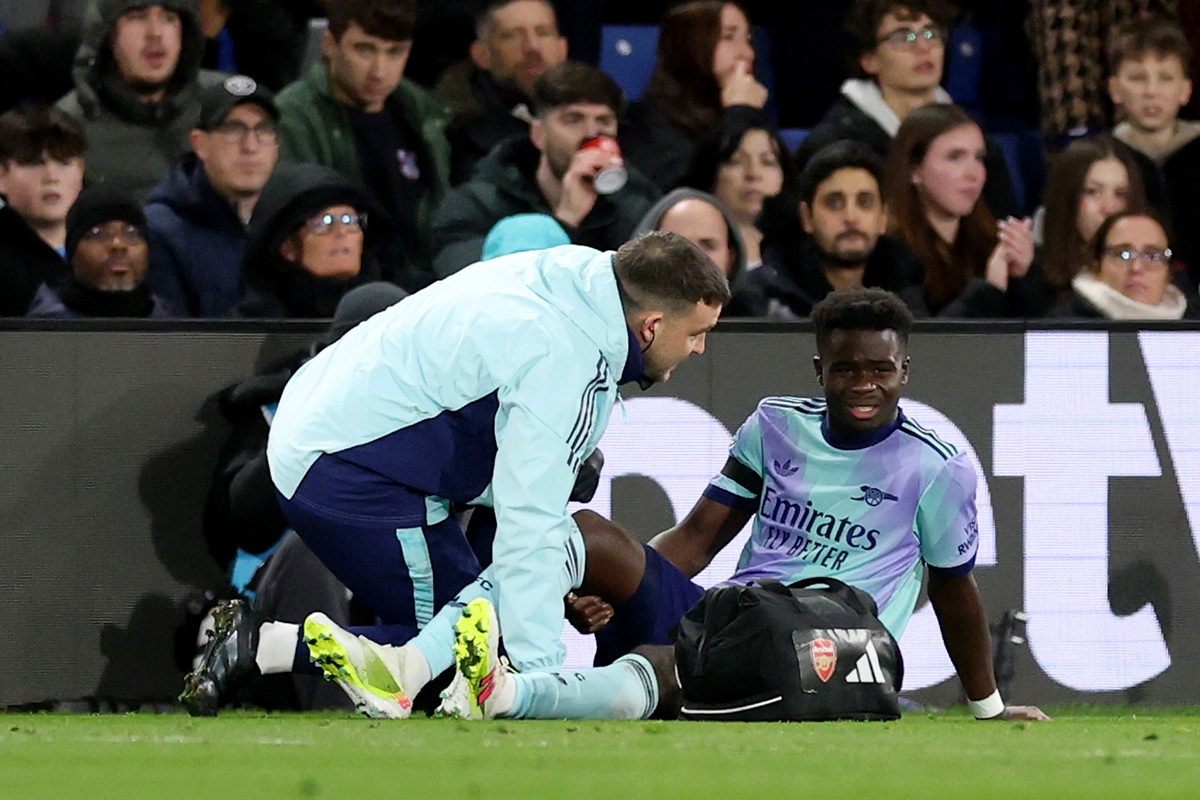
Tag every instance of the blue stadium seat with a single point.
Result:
(793, 137)
(964, 66)
(627, 54)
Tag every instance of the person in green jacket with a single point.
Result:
(547, 172)
(355, 112)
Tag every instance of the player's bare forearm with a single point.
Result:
(964, 627)
(707, 528)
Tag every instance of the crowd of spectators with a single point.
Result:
(279, 154)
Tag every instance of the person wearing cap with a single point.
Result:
(311, 239)
(108, 253)
(355, 112)
(547, 172)
(137, 84)
(198, 215)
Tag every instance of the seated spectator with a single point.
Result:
(310, 242)
(522, 232)
(1129, 277)
(1150, 62)
(833, 239)
(974, 267)
(1090, 180)
(515, 42)
(355, 112)
(41, 173)
(705, 222)
(703, 77)
(742, 163)
(898, 53)
(108, 253)
(547, 173)
(137, 85)
(199, 213)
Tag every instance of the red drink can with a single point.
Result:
(613, 176)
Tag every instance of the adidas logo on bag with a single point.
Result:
(867, 670)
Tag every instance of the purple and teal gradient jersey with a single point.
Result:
(870, 512)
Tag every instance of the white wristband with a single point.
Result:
(988, 707)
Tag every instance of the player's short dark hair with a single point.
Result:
(861, 310)
(484, 18)
(575, 82)
(844, 154)
(394, 20)
(862, 23)
(1158, 34)
(663, 267)
(29, 132)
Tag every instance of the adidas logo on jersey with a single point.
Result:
(867, 670)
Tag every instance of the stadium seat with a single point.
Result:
(627, 54)
(793, 137)
(964, 66)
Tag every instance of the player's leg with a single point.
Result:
(402, 566)
(648, 593)
(484, 686)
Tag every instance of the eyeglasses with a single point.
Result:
(235, 132)
(128, 234)
(908, 38)
(1155, 259)
(322, 224)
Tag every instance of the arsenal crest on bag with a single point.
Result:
(813, 651)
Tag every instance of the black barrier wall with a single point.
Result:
(1087, 441)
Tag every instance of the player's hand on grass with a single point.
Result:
(1022, 713)
(587, 614)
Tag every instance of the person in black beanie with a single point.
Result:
(107, 250)
(310, 241)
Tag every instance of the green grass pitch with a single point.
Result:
(1084, 752)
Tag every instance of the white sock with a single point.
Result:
(276, 647)
(411, 667)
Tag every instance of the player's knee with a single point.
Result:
(615, 560)
(670, 696)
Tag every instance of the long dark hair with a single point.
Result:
(1064, 251)
(682, 82)
(949, 266)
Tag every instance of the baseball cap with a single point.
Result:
(218, 100)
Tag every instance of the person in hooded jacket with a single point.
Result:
(698, 216)
(309, 243)
(137, 88)
(199, 213)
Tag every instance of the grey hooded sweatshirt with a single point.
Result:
(132, 143)
(670, 199)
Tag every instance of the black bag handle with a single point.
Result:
(848, 594)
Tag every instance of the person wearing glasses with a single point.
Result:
(198, 214)
(897, 56)
(311, 240)
(1130, 274)
(108, 253)
(356, 111)
(1090, 180)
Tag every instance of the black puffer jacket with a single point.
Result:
(277, 288)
